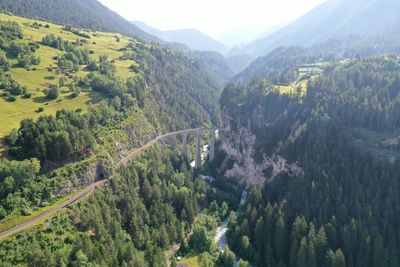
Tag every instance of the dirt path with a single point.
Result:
(86, 191)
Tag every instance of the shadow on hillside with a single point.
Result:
(40, 99)
(3, 147)
(95, 97)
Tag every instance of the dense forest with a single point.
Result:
(130, 222)
(53, 154)
(146, 207)
(343, 209)
(319, 124)
(184, 93)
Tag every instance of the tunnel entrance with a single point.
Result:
(101, 172)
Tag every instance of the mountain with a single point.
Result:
(194, 39)
(87, 14)
(239, 36)
(269, 31)
(326, 164)
(74, 103)
(239, 63)
(82, 68)
(334, 19)
(282, 64)
(215, 65)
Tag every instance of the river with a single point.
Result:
(204, 155)
(220, 237)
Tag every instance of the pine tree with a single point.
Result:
(339, 260)
(311, 257)
(302, 254)
(243, 263)
(279, 238)
(294, 248)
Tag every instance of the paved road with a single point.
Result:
(90, 188)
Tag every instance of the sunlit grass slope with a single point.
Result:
(39, 77)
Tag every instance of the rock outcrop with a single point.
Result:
(240, 147)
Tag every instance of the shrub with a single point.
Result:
(52, 92)
(75, 90)
(17, 90)
(27, 95)
(11, 98)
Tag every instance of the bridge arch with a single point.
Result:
(185, 137)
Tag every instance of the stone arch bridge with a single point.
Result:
(185, 137)
(173, 136)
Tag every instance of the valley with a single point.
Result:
(125, 145)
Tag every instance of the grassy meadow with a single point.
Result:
(39, 77)
(305, 73)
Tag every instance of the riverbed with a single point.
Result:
(221, 235)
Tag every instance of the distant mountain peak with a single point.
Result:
(192, 38)
(331, 19)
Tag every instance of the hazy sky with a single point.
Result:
(212, 16)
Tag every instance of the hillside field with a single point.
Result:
(305, 73)
(38, 77)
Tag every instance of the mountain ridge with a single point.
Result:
(88, 14)
(333, 19)
(193, 38)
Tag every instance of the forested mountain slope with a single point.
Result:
(215, 65)
(87, 14)
(328, 162)
(333, 19)
(74, 102)
(145, 208)
(279, 64)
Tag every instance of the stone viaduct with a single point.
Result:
(185, 137)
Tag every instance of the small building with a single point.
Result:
(182, 264)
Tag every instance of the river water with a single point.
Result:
(204, 155)
(221, 234)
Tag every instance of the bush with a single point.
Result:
(40, 110)
(52, 93)
(17, 90)
(27, 211)
(10, 30)
(27, 95)
(11, 98)
(75, 90)
(27, 60)
(3, 212)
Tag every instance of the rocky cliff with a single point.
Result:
(241, 146)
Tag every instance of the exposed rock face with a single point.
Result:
(96, 171)
(240, 145)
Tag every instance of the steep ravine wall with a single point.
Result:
(240, 146)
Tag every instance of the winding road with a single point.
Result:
(89, 189)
